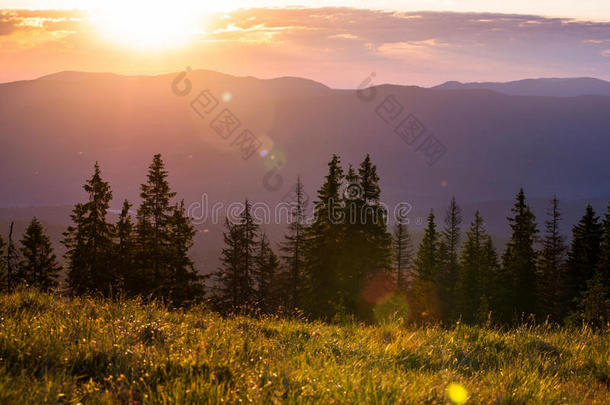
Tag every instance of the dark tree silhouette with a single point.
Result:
(154, 228)
(235, 277)
(403, 255)
(128, 277)
(293, 250)
(39, 267)
(583, 255)
(323, 241)
(519, 259)
(449, 260)
(552, 269)
(89, 242)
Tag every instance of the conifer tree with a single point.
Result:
(39, 266)
(183, 285)
(449, 265)
(374, 219)
(583, 254)
(552, 267)
(75, 241)
(154, 227)
(424, 291)
(89, 242)
(489, 281)
(403, 255)
(477, 273)
(603, 264)
(519, 259)
(323, 239)
(267, 265)
(235, 277)
(594, 302)
(352, 245)
(227, 293)
(426, 262)
(128, 276)
(293, 250)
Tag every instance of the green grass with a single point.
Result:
(59, 350)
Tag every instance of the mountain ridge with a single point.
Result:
(554, 87)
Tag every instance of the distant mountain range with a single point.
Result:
(53, 129)
(551, 87)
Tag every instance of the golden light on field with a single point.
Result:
(148, 26)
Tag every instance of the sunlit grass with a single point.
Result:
(59, 350)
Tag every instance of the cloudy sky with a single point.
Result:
(340, 46)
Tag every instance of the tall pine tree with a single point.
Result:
(128, 276)
(323, 242)
(583, 255)
(267, 265)
(552, 270)
(449, 266)
(39, 267)
(293, 250)
(475, 285)
(403, 255)
(424, 292)
(154, 229)
(594, 302)
(89, 242)
(183, 284)
(235, 277)
(519, 259)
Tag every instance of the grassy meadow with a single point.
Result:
(83, 350)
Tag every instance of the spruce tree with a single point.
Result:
(154, 228)
(469, 287)
(267, 265)
(79, 273)
(403, 255)
(89, 242)
(249, 233)
(552, 277)
(323, 239)
(128, 277)
(603, 263)
(39, 267)
(594, 302)
(489, 281)
(227, 294)
(424, 291)
(583, 254)
(293, 250)
(235, 277)
(478, 272)
(449, 266)
(374, 218)
(183, 284)
(519, 259)
(426, 262)
(352, 245)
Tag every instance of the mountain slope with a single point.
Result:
(53, 130)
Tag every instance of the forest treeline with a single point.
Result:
(344, 262)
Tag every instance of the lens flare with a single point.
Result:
(457, 393)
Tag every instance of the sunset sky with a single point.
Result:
(468, 40)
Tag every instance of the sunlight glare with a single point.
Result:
(148, 26)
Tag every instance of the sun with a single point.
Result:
(147, 25)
